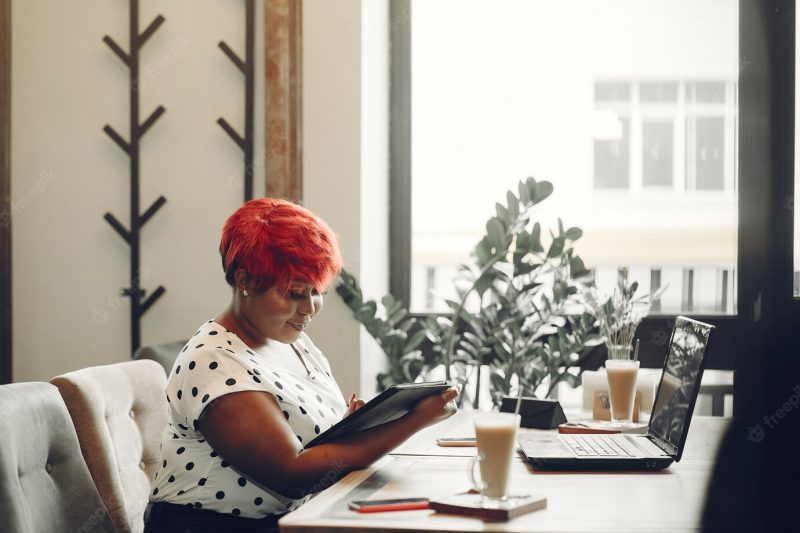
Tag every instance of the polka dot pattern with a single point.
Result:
(216, 363)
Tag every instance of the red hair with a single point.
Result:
(277, 242)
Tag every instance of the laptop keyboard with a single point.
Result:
(594, 446)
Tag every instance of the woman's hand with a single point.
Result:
(354, 403)
(437, 407)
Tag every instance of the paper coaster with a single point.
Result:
(471, 504)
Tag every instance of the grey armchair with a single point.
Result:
(120, 413)
(44, 482)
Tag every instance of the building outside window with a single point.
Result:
(630, 110)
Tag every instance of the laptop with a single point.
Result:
(669, 420)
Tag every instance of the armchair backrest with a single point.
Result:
(45, 484)
(120, 413)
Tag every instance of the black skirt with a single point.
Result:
(162, 517)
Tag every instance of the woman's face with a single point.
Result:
(281, 313)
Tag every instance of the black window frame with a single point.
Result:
(766, 74)
(5, 192)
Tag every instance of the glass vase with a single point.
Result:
(619, 351)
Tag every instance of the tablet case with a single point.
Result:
(389, 405)
(535, 413)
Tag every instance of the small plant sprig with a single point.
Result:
(620, 314)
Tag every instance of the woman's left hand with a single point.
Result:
(354, 403)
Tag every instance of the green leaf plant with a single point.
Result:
(519, 309)
(619, 315)
(391, 327)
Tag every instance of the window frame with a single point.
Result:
(737, 335)
(5, 192)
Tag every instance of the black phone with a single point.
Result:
(399, 504)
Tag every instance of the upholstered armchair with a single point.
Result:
(119, 412)
(45, 484)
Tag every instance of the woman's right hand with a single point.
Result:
(436, 407)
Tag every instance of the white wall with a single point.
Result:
(345, 165)
(68, 264)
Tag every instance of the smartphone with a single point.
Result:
(456, 441)
(376, 506)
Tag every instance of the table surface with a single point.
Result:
(667, 501)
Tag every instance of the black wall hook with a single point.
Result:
(132, 235)
(247, 67)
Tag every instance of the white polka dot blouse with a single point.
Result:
(215, 362)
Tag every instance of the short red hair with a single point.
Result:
(277, 242)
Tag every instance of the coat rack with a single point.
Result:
(139, 304)
(247, 68)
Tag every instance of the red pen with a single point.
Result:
(377, 506)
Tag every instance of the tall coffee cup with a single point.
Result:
(622, 374)
(496, 435)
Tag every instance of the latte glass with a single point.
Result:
(622, 375)
(496, 435)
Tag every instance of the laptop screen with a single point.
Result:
(680, 382)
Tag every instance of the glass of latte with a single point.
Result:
(622, 375)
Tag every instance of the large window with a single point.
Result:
(630, 111)
(648, 119)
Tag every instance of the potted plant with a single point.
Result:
(519, 308)
(619, 315)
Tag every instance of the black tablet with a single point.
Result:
(389, 405)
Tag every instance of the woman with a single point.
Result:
(249, 388)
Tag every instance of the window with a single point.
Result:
(636, 159)
(657, 153)
(631, 113)
(698, 116)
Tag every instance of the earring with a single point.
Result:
(244, 292)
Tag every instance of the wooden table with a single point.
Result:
(667, 501)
